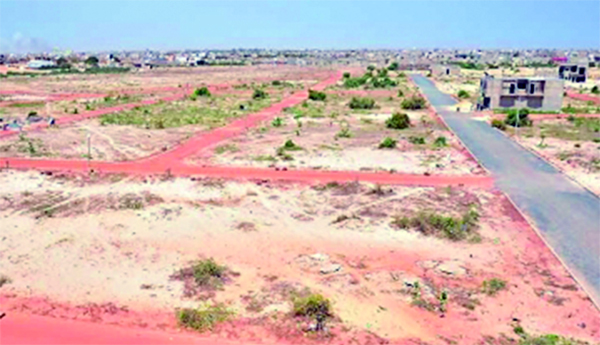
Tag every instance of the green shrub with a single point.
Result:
(370, 68)
(496, 123)
(277, 122)
(440, 142)
(398, 121)
(316, 95)
(595, 90)
(463, 94)
(346, 75)
(312, 306)
(416, 140)
(522, 120)
(433, 224)
(361, 103)
(202, 92)
(276, 83)
(414, 103)
(203, 319)
(393, 66)
(388, 143)
(400, 93)
(208, 272)
(289, 145)
(493, 286)
(259, 94)
(344, 133)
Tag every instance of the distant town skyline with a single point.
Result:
(37, 26)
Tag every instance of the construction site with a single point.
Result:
(228, 196)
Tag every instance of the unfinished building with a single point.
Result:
(573, 72)
(516, 92)
(444, 70)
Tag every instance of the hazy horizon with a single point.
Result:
(37, 26)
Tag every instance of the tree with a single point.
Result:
(316, 95)
(63, 63)
(393, 66)
(92, 60)
(371, 68)
(463, 94)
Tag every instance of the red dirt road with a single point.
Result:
(32, 329)
(582, 97)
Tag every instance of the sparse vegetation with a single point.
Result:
(496, 123)
(398, 121)
(202, 92)
(416, 140)
(226, 148)
(522, 120)
(277, 122)
(463, 94)
(492, 286)
(440, 142)
(414, 103)
(4, 280)
(316, 95)
(388, 143)
(203, 319)
(361, 103)
(259, 94)
(433, 224)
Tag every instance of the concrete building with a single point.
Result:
(573, 72)
(518, 92)
(442, 70)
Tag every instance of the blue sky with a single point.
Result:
(138, 24)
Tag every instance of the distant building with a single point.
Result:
(442, 70)
(516, 92)
(573, 72)
(37, 64)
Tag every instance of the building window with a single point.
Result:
(511, 89)
(532, 88)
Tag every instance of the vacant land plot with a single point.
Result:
(165, 77)
(137, 132)
(571, 144)
(330, 135)
(264, 262)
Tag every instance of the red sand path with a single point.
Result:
(32, 329)
(584, 97)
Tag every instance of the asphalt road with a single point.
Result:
(566, 214)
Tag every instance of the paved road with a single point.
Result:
(567, 215)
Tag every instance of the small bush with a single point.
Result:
(203, 319)
(440, 142)
(316, 95)
(289, 145)
(393, 66)
(259, 94)
(4, 280)
(202, 92)
(463, 94)
(493, 286)
(346, 75)
(276, 83)
(277, 122)
(522, 120)
(370, 68)
(414, 103)
(400, 93)
(361, 103)
(595, 90)
(398, 121)
(433, 224)
(416, 140)
(388, 143)
(312, 306)
(496, 123)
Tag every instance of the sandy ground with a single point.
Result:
(575, 162)
(171, 77)
(77, 247)
(321, 149)
(108, 143)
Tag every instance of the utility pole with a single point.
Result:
(89, 149)
(518, 123)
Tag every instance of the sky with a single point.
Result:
(100, 25)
